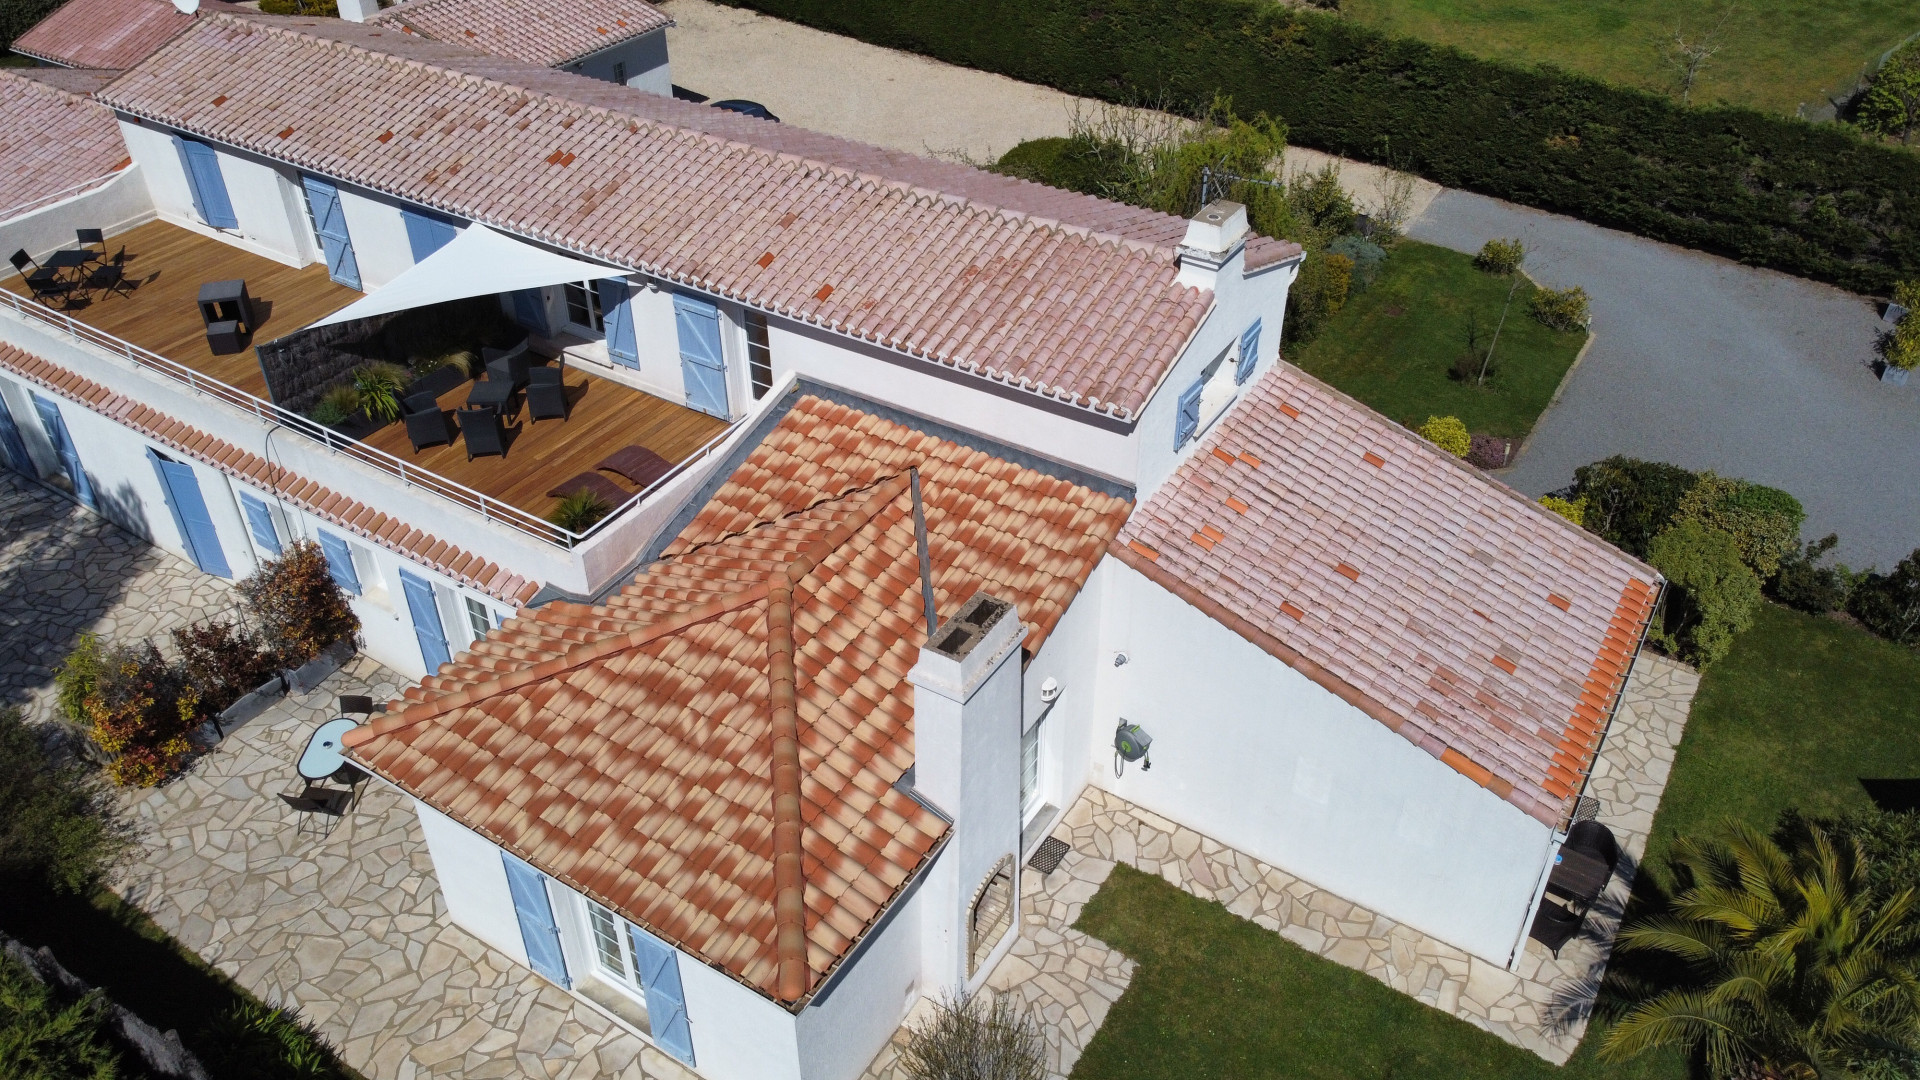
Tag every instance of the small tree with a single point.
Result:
(1900, 346)
(1688, 54)
(1501, 256)
(1629, 501)
(1763, 521)
(301, 609)
(1891, 105)
(1712, 594)
(1890, 603)
(967, 1039)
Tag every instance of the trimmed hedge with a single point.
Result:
(1811, 199)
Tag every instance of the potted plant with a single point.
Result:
(1900, 347)
(304, 614)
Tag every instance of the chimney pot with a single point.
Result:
(358, 10)
(1214, 236)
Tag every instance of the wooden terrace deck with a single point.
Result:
(168, 264)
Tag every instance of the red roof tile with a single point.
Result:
(53, 141)
(539, 33)
(1484, 629)
(632, 750)
(342, 511)
(1058, 294)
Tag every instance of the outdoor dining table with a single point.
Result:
(69, 259)
(1578, 876)
(323, 756)
(493, 392)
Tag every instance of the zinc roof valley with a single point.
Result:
(746, 696)
(1484, 629)
(1059, 294)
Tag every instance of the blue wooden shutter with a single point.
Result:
(702, 362)
(534, 909)
(1188, 421)
(340, 563)
(425, 234)
(1249, 352)
(330, 225)
(181, 488)
(426, 621)
(530, 311)
(56, 428)
(659, 969)
(12, 450)
(209, 188)
(260, 523)
(615, 302)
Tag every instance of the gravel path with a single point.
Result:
(1712, 365)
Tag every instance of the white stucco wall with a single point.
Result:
(645, 58)
(268, 206)
(473, 882)
(1072, 655)
(839, 1036)
(114, 207)
(380, 245)
(738, 1033)
(1250, 752)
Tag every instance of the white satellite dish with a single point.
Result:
(187, 7)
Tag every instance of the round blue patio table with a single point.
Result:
(323, 756)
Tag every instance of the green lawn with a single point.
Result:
(1800, 710)
(1776, 54)
(1392, 345)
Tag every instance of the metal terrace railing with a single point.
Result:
(488, 507)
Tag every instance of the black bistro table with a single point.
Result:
(1578, 877)
(493, 393)
(69, 259)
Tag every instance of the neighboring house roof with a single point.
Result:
(1060, 294)
(82, 81)
(1486, 630)
(633, 750)
(349, 514)
(53, 143)
(539, 33)
(106, 33)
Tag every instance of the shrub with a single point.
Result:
(968, 1040)
(1804, 584)
(1501, 256)
(1764, 522)
(327, 8)
(1891, 104)
(1574, 510)
(43, 1040)
(1447, 433)
(1711, 595)
(58, 823)
(256, 1042)
(1630, 501)
(337, 405)
(1900, 346)
(300, 608)
(1489, 451)
(1729, 180)
(224, 660)
(579, 511)
(1367, 258)
(1560, 309)
(141, 710)
(1889, 604)
(379, 386)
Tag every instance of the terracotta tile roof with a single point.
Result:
(52, 141)
(348, 514)
(1056, 293)
(633, 750)
(539, 33)
(1487, 631)
(106, 33)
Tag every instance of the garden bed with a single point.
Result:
(1393, 345)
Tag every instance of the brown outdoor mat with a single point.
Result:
(638, 464)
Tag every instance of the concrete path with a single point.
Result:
(1708, 364)
(1697, 360)
(64, 571)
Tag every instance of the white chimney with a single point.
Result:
(966, 752)
(358, 10)
(1214, 236)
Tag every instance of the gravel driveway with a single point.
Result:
(1697, 360)
(1713, 365)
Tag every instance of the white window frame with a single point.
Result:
(479, 619)
(627, 976)
(590, 291)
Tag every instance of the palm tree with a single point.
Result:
(1798, 971)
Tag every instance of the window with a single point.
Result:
(759, 355)
(340, 563)
(620, 73)
(260, 523)
(583, 307)
(477, 618)
(609, 944)
(1029, 770)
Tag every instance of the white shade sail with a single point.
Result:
(478, 262)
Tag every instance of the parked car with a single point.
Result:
(746, 108)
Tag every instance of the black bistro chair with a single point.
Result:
(110, 275)
(1554, 926)
(320, 808)
(94, 242)
(427, 425)
(44, 282)
(509, 366)
(480, 427)
(546, 394)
